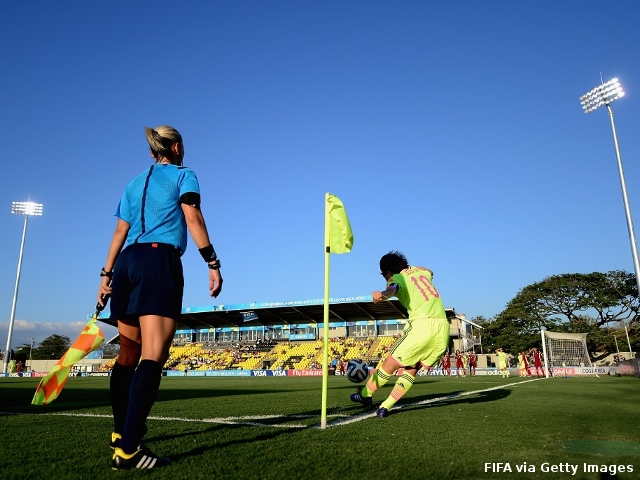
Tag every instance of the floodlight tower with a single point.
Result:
(26, 209)
(603, 95)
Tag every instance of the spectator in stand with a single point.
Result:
(473, 362)
(145, 281)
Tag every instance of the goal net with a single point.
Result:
(566, 354)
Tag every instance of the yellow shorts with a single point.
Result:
(423, 340)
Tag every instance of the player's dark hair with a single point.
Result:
(393, 262)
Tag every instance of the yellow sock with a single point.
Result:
(377, 380)
(402, 386)
(120, 453)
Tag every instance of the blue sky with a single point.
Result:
(452, 131)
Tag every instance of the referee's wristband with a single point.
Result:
(208, 253)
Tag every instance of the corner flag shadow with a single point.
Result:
(16, 396)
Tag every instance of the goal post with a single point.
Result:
(566, 353)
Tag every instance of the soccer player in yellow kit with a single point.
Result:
(502, 363)
(522, 372)
(425, 336)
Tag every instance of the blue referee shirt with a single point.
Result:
(151, 205)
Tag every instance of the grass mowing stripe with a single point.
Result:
(364, 416)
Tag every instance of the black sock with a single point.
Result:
(142, 394)
(120, 382)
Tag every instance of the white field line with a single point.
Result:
(253, 420)
(369, 414)
(244, 420)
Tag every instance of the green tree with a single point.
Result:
(109, 351)
(51, 348)
(612, 296)
(565, 302)
(22, 353)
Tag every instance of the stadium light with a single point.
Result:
(27, 209)
(603, 95)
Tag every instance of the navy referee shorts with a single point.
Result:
(147, 280)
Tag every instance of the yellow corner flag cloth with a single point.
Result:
(340, 234)
(50, 386)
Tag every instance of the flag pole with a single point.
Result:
(325, 358)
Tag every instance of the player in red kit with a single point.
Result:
(537, 362)
(527, 363)
(459, 364)
(473, 362)
(446, 364)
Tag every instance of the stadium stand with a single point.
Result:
(288, 335)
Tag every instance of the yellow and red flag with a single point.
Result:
(51, 385)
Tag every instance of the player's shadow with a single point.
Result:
(259, 437)
(446, 400)
(171, 394)
(17, 399)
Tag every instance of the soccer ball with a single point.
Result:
(357, 370)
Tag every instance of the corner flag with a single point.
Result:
(340, 234)
(50, 386)
(338, 238)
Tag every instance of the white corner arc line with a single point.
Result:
(364, 416)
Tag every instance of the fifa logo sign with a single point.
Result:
(497, 467)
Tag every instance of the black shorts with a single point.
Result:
(147, 280)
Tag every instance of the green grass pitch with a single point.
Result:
(267, 428)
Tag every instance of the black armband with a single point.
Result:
(208, 253)
(190, 198)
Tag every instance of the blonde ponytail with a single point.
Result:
(161, 139)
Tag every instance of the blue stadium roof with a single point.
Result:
(288, 312)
